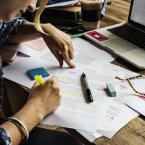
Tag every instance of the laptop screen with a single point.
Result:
(138, 12)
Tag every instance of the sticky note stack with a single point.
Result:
(111, 89)
(37, 71)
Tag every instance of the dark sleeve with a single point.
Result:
(8, 29)
(4, 137)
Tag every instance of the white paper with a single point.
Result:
(127, 95)
(90, 136)
(18, 69)
(22, 48)
(86, 55)
(114, 70)
(72, 96)
(28, 51)
(89, 56)
(124, 94)
(102, 115)
(117, 116)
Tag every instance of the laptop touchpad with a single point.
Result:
(120, 45)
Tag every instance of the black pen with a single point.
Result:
(86, 89)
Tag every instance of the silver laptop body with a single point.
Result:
(135, 54)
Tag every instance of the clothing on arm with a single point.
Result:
(9, 28)
(4, 137)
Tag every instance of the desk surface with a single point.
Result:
(134, 132)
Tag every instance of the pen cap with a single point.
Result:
(86, 90)
(84, 81)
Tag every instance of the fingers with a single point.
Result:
(71, 50)
(66, 49)
(70, 46)
(61, 46)
(58, 56)
(53, 82)
(53, 49)
(71, 53)
(66, 57)
(68, 53)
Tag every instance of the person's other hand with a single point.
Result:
(59, 43)
(45, 97)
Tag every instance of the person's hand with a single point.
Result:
(43, 100)
(45, 97)
(59, 43)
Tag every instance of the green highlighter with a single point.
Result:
(111, 90)
(77, 35)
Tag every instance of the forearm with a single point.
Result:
(43, 100)
(27, 112)
(27, 32)
(13, 132)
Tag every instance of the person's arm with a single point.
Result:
(43, 100)
(26, 32)
(57, 41)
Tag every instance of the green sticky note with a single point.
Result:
(111, 89)
(77, 35)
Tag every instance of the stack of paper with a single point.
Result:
(105, 116)
(125, 92)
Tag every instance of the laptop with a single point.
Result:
(126, 40)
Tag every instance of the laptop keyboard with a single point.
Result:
(131, 34)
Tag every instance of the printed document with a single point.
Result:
(105, 116)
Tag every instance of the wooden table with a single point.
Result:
(134, 132)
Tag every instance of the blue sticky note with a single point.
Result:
(37, 71)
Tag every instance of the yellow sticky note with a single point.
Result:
(39, 79)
